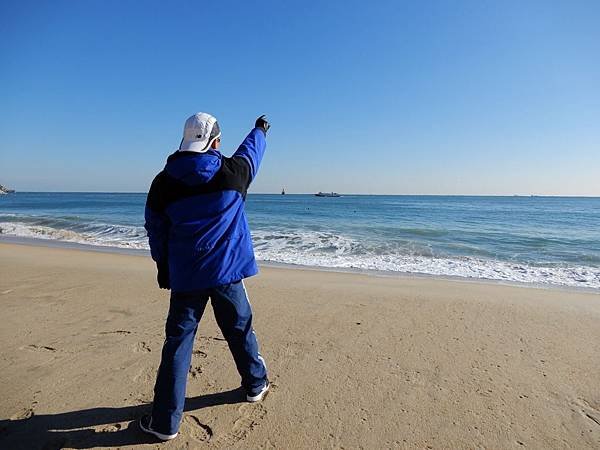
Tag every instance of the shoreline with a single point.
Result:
(54, 243)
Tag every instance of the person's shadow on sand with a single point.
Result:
(75, 429)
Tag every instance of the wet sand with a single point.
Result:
(356, 361)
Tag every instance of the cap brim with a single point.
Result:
(195, 146)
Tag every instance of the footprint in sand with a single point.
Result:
(588, 411)
(214, 338)
(268, 445)
(197, 430)
(41, 348)
(251, 415)
(25, 413)
(142, 347)
(144, 375)
(199, 354)
(195, 371)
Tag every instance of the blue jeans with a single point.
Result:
(234, 317)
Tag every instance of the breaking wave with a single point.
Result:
(106, 235)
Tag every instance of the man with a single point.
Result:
(200, 240)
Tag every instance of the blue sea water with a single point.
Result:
(542, 240)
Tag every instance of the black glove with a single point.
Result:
(163, 275)
(262, 124)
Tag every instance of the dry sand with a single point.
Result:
(356, 361)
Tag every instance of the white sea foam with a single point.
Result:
(328, 250)
(106, 236)
(334, 251)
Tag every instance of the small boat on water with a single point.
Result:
(283, 191)
(5, 190)
(327, 194)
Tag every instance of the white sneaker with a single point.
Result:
(258, 394)
(146, 426)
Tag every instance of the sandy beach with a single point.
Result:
(356, 361)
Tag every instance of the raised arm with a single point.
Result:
(253, 147)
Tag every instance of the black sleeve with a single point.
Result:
(155, 200)
(236, 174)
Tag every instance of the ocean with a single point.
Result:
(540, 240)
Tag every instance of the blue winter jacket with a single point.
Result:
(195, 216)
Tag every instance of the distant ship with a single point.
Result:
(327, 194)
(5, 190)
(283, 192)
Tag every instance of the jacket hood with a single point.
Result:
(193, 168)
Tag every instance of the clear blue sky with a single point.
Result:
(439, 97)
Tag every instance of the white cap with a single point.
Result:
(199, 132)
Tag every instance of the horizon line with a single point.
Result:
(341, 194)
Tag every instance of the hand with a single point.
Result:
(262, 123)
(162, 277)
